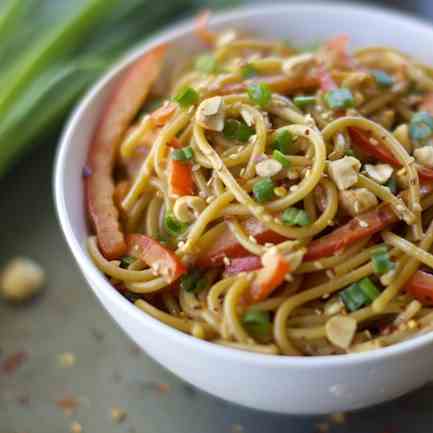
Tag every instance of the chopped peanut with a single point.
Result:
(424, 155)
(358, 200)
(268, 168)
(340, 330)
(21, 279)
(344, 172)
(210, 114)
(379, 172)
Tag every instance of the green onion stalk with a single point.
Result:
(53, 51)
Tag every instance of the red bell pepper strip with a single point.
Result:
(228, 246)
(372, 222)
(342, 237)
(201, 29)
(162, 260)
(277, 83)
(269, 278)
(163, 114)
(420, 286)
(244, 264)
(180, 178)
(361, 139)
(126, 100)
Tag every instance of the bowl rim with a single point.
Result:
(91, 272)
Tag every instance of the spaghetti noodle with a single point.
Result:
(276, 201)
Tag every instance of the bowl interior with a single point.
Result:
(301, 24)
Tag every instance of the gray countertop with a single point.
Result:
(109, 372)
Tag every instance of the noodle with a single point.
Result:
(253, 218)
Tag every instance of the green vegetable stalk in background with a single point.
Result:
(53, 50)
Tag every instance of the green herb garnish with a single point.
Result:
(236, 130)
(295, 217)
(263, 190)
(339, 98)
(187, 97)
(184, 154)
(260, 94)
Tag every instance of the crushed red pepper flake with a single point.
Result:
(68, 404)
(13, 362)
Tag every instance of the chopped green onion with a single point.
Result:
(339, 98)
(184, 154)
(193, 282)
(282, 141)
(359, 294)
(421, 126)
(248, 71)
(263, 190)
(281, 158)
(260, 94)
(392, 184)
(349, 152)
(257, 322)
(295, 217)
(382, 78)
(236, 130)
(304, 101)
(206, 63)
(173, 226)
(353, 297)
(369, 289)
(381, 261)
(186, 97)
(125, 261)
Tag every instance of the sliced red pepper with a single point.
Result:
(201, 28)
(372, 222)
(361, 139)
(269, 278)
(244, 264)
(228, 246)
(420, 286)
(326, 81)
(180, 178)
(277, 83)
(342, 237)
(163, 114)
(340, 46)
(126, 100)
(162, 260)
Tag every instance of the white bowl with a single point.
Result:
(295, 385)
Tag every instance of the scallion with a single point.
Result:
(421, 126)
(194, 281)
(392, 184)
(186, 97)
(381, 260)
(304, 101)
(281, 158)
(173, 226)
(282, 141)
(248, 71)
(369, 289)
(260, 94)
(382, 78)
(295, 217)
(125, 261)
(257, 322)
(184, 154)
(353, 297)
(263, 190)
(339, 98)
(206, 63)
(236, 130)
